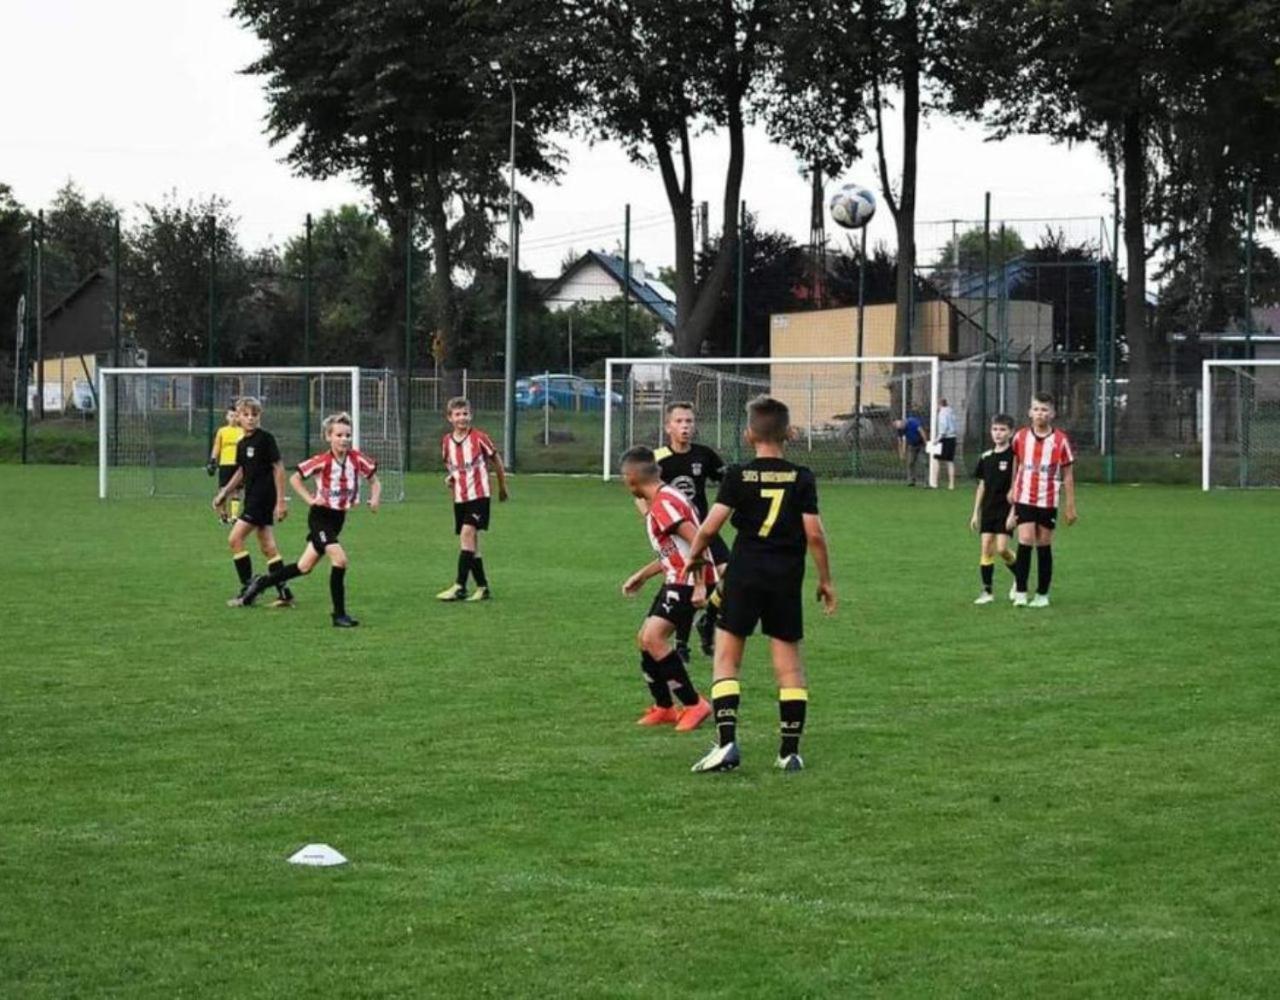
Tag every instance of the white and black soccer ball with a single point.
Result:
(853, 206)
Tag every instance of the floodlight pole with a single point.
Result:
(40, 316)
(857, 384)
(115, 332)
(626, 282)
(509, 360)
(212, 337)
(986, 303)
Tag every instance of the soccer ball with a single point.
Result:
(853, 206)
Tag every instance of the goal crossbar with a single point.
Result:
(1206, 405)
(195, 372)
(666, 362)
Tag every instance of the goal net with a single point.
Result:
(156, 425)
(1240, 423)
(842, 408)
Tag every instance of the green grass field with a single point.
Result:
(1076, 802)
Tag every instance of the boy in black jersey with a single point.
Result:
(687, 465)
(994, 474)
(260, 471)
(774, 506)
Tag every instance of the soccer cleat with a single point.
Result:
(454, 592)
(791, 762)
(1039, 601)
(285, 600)
(659, 716)
(721, 758)
(480, 594)
(986, 597)
(707, 635)
(1019, 600)
(344, 621)
(248, 593)
(693, 716)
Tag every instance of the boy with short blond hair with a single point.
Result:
(222, 459)
(260, 471)
(337, 473)
(774, 506)
(468, 452)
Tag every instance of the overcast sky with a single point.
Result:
(135, 99)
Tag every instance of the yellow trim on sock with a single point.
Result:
(793, 694)
(1008, 557)
(240, 555)
(987, 561)
(721, 689)
(277, 559)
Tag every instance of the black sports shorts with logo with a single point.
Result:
(472, 512)
(1046, 517)
(774, 603)
(324, 525)
(674, 603)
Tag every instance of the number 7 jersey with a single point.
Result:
(769, 497)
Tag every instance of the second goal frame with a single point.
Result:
(667, 362)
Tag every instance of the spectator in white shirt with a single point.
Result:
(947, 441)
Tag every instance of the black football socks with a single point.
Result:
(1044, 566)
(244, 567)
(477, 570)
(793, 703)
(672, 666)
(275, 570)
(338, 590)
(1022, 568)
(724, 702)
(988, 571)
(465, 559)
(656, 678)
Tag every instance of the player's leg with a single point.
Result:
(481, 523)
(1044, 565)
(739, 614)
(986, 567)
(243, 562)
(1022, 565)
(338, 563)
(793, 701)
(275, 564)
(652, 637)
(466, 532)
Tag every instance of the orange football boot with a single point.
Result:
(659, 716)
(693, 716)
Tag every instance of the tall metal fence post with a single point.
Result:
(1109, 466)
(546, 408)
(408, 340)
(24, 355)
(986, 308)
(857, 371)
(306, 343)
(212, 332)
(115, 341)
(40, 317)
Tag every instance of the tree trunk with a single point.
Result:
(905, 216)
(442, 269)
(1133, 154)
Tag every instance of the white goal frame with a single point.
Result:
(1206, 405)
(667, 361)
(352, 372)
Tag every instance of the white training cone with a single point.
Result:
(319, 855)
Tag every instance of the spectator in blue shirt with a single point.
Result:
(912, 437)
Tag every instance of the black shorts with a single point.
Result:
(948, 452)
(225, 472)
(259, 513)
(718, 549)
(674, 603)
(776, 605)
(472, 512)
(995, 520)
(324, 525)
(1046, 517)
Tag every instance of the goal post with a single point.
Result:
(155, 425)
(1240, 423)
(842, 407)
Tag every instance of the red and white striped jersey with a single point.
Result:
(667, 511)
(1041, 461)
(338, 479)
(468, 464)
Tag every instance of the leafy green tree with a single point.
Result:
(660, 71)
(400, 95)
(78, 240)
(967, 252)
(14, 241)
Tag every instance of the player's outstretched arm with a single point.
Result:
(631, 586)
(233, 484)
(716, 517)
(500, 469)
(816, 538)
(1069, 488)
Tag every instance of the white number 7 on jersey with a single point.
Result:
(775, 505)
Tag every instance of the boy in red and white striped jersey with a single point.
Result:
(1043, 477)
(468, 452)
(671, 522)
(337, 475)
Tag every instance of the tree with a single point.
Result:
(400, 94)
(78, 240)
(167, 280)
(967, 252)
(775, 270)
(659, 72)
(13, 260)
